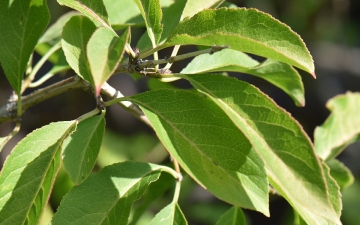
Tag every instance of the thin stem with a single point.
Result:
(177, 192)
(4, 140)
(174, 53)
(44, 78)
(89, 114)
(129, 50)
(151, 63)
(36, 68)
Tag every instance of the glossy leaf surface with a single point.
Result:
(246, 30)
(341, 128)
(208, 146)
(107, 196)
(82, 148)
(75, 37)
(19, 35)
(29, 173)
(233, 216)
(290, 160)
(105, 50)
(279, 74)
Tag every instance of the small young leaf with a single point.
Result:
(29, 173)
(108, 195)
(341, 128)
(82, 148)
(53, 34)
(233, 216)
(200, 136)
(340, 173)
(279, 74)
(95, 10)
(75, 36)
(170, 215)
(19, 35)
(291, 164)
(104, 52)
(246, 30)
(152, 14)
(123, 13)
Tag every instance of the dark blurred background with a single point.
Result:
(330, 29)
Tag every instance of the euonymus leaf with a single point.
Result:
(19, 35)
(75, 36)
(105, 50)
(152, 14)
(170, 215)
(82, 148)
(107, 196)
(341, 128)
(200, 136)
(95, 10)
(194, 6)
(123, 13)
(53, 34)
(290, 161)
(246, 30)
(233, 216)
(340, 173)
(29, 172)
(154, 191)
(279, 74)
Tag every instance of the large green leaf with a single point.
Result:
(105, 50)
(200, 136)
(107, 196)
(279, 74)
(95, 10)
(340, 173)
(246, 30)
(19, 35)
(152, 14)
(341, 128)
(233, 216)
(82, 148)
(75, 37)
(29, 173)
(170, 215)
(123, 13)
(290, 160)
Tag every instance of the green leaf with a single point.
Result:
(170, 215)
(29, 173)
(279, 74)
(152, 14)
(75, 37)
(123, 13)
(53, 34)
(233, 216)
(107, 196)
(246, 30)
(82, 148)
(291, 164)
(340, 173)
(104, 52)
(154, 191)
(194, 6)
(19, 35)
(341, 128)
(95, 10)
(200, 136)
